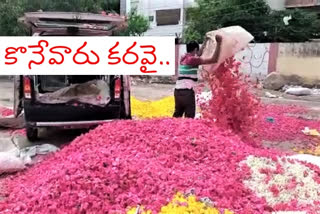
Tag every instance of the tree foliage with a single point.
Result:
(302, 27)
(253, 15)
(9, 12)
(63, 5)
(137, 24)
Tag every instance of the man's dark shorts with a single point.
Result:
(185, 103)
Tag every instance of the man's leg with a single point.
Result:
(190, 105)
(179, 107)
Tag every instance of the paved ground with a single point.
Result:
(152, 91)
(144, 92)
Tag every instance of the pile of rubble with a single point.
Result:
(292, 84)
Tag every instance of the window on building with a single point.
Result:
(168, 17)
(151, 18)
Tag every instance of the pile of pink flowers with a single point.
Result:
(5, 112)
(125, 163)
(286, 126)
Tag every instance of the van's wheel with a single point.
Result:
(32, 134)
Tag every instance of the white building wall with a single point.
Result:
(128, 6)
(149, 7)
(134, 4)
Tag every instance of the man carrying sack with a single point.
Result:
(184, 96)
(218, 46)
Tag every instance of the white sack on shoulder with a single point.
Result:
(234, 39)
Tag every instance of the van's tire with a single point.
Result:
(32, 134)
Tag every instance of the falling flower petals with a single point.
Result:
(232, 105)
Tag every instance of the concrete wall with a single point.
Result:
(258, 60)
(255, 60)
(302, 59)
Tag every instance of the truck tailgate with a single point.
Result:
(39, 112)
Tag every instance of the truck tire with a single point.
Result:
(32, 134)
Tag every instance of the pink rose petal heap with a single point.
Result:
(287, 125)
(122, 164)
(5, 112)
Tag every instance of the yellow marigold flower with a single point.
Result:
(141, 211)
(315, 151)
(183, 205)
(152, 109)
(228, 212)
(189, 205)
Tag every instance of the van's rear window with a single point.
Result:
(51, 83)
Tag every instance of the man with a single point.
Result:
(184, 96)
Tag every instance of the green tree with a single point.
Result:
(9, 11)
(111, 5)
(137, 25)
(65, 5)
(253, 15)
(300, 28)
(216, 14)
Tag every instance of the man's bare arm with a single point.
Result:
(203, 46)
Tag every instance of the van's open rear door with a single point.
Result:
(73, 24)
